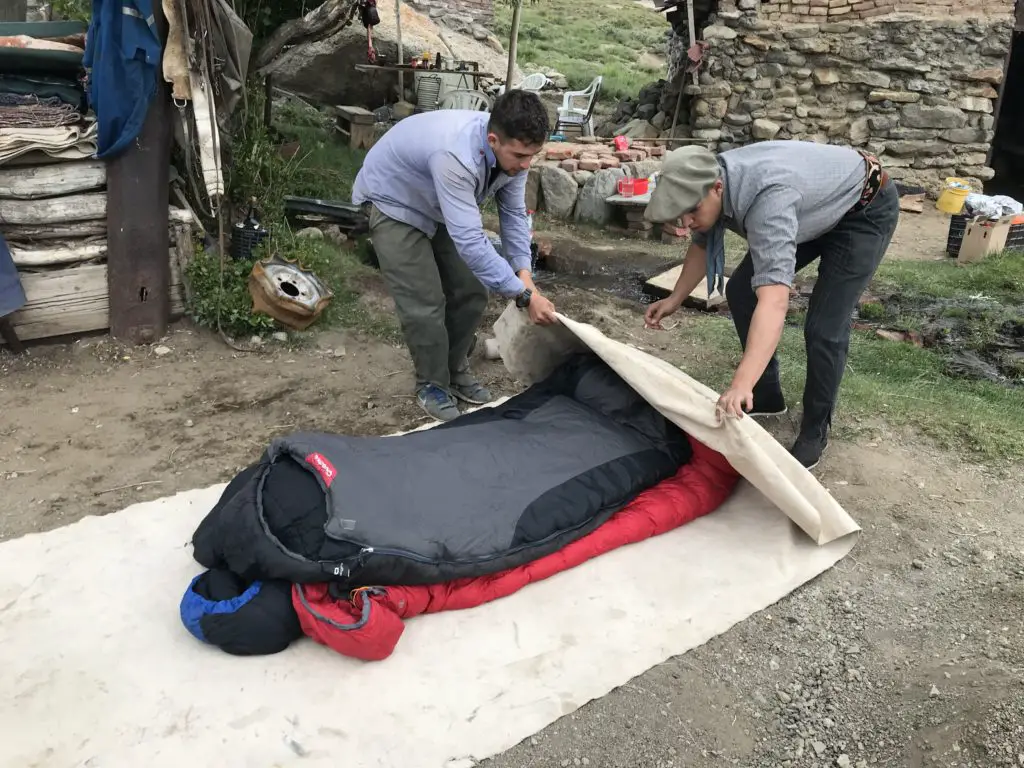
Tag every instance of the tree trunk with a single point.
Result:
(320, 23)
(513, 44)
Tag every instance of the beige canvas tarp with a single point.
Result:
(96, 668)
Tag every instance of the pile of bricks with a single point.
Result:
(586, 155)
(673, 232)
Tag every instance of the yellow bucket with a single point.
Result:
(951, 200)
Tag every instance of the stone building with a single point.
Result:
(934, 87)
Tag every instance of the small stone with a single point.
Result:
(843, 761)
(933, 692)
(312, 233)
(917, 565)
(189, 423)
(784, 697)
(988, 555)
(765, 129)
(339, 352)
(280, 336)
(161, 350)
(818, 747)
(255, 341)
(719, 32)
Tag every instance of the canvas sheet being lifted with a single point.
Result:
(96, 669)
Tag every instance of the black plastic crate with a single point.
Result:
(957, 228)
(1015, 238)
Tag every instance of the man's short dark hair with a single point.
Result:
(520, 115)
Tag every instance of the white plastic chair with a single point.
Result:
(534, 82)
(477, 101)
(577, 108)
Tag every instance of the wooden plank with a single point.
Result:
(83, 207)
(912, 203)
(37, 181)
(58, 252)
(138, 189)
(76, 300)
(662, 285)
(26, 233)
(356, 115)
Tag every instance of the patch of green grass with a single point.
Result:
(899, 383)
(623, 41)
(324, 167)
(1000, 277)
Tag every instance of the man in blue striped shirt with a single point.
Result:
(424, 182)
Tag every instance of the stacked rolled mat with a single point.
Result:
(342, 538)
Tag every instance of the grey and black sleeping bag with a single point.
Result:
(492, 490)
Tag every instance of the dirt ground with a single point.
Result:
(908, 653)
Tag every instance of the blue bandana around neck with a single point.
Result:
(715, 265)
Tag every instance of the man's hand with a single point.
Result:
(541, 310)
(734, 401)
(659, 310)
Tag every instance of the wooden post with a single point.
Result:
(138, 191)
(693, 33)
(398, 36)
(513, 44)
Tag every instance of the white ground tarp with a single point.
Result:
(96, 669)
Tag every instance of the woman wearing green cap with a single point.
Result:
(794, 202)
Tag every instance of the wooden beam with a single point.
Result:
(72, 301)
(36, 181)
(138, 189)
(84, 207)
(58, 252)
(70, 230)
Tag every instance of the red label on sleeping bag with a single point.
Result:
(320, 463)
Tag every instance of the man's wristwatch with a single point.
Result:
(523, 299)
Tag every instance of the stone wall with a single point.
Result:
(920, 92)
(850, 10)
(468, 16)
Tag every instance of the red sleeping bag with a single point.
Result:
(369, 625)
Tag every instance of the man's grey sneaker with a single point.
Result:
(808, 450)
(437, 403)
(472, 391)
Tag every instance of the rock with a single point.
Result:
(975, 104)
(826, 76)
(860, 131)
(765, 129)
(843, 761)
(533, 189)
(492, 352)
(280, 336)
(661, 121)
(738, 119)
(638, 129)
(646, 111)
(591, 207)
(965, 136)
(755, 42)
(641, 169)
(920, 116)
(933, 692)
(189, 423)
(559, 190)
(708, 134)
(917, 565)
(161, 350)
(310, 233)
(719, 32)
(582, 177)
(811, 45)
(993, 75)
(818, 747)
(900, 97)
(865, 77)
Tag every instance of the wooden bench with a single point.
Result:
(356, 124)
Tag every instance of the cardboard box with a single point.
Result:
(984, 237)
